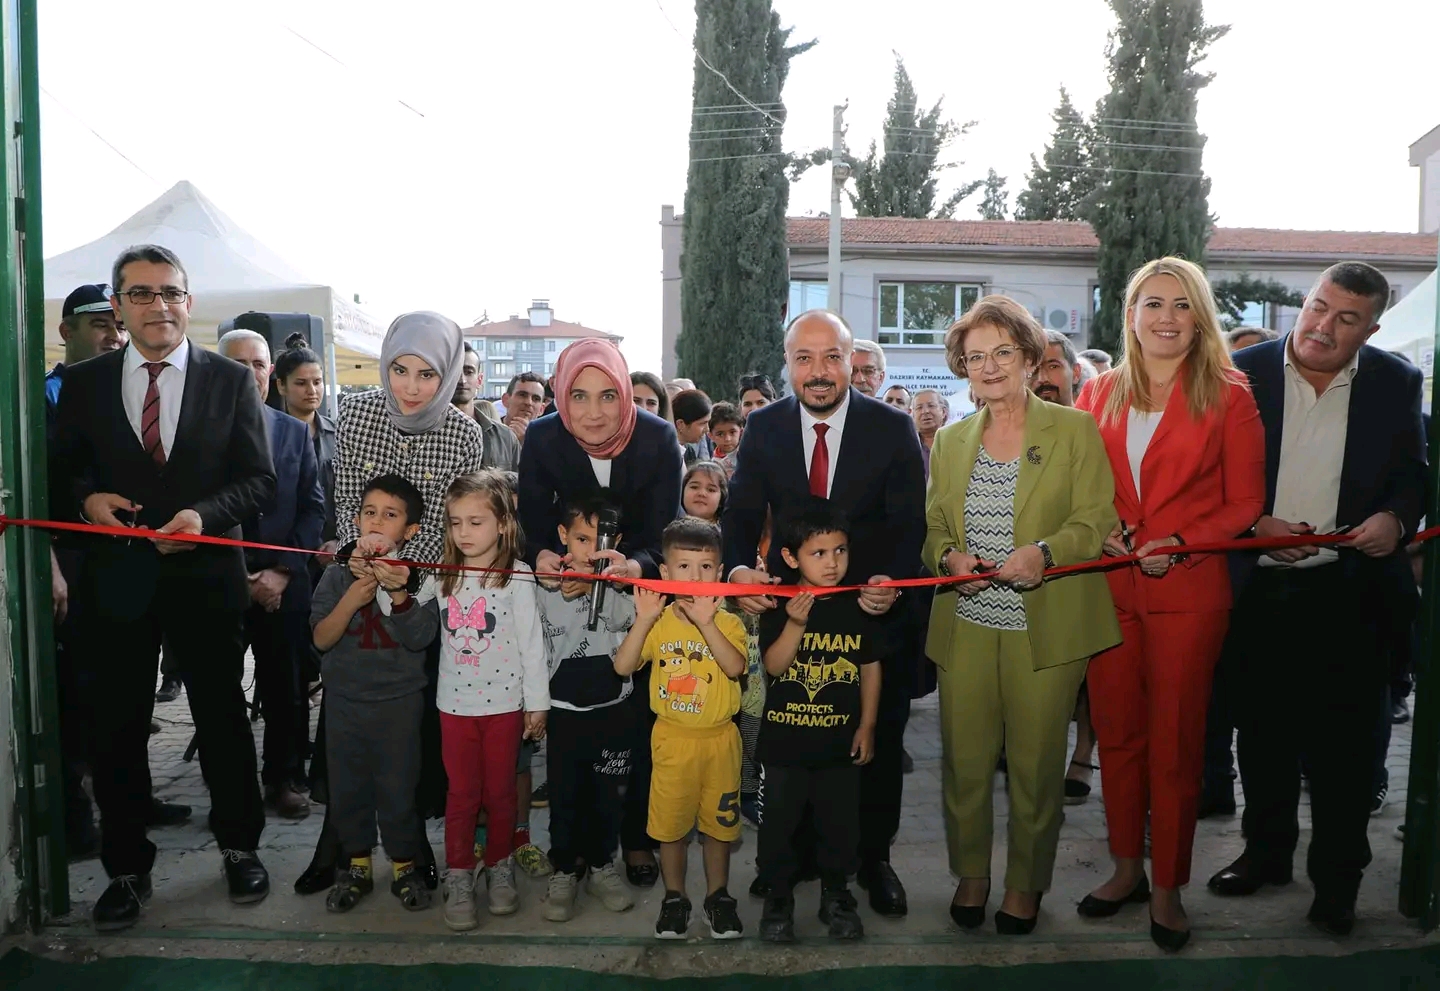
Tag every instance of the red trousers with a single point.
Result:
(480, 753)
(1148, 698)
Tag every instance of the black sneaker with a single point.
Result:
(837, 910)
(777, 921)
(540, 797)
(721, 914)
(1379, 800)
(674, 919)
(1400, 713)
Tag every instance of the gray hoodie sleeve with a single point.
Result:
(327, 595)
(413, 624)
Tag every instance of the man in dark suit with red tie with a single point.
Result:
(829, 440)
(165, 435)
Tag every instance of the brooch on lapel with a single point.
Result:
(1033, 455)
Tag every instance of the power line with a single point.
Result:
(342, 65)
(706, 63)
(100, 137)
(1106, 168)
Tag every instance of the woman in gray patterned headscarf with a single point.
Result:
(407, 427)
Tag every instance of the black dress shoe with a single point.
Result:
(1332, 916)
(759, 888)
(248, 880)
(907, 763)
(317, 878)
(119, 906)
(777, 921)
(837, 910)
(1248, 875)
(642, 875)
(166, 813)
(1102, 908)
(970, 916)
(169, 690)
(1012, 925)
(1169, 940)
(887, 894)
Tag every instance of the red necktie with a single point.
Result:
(820, 464)
(150, 414)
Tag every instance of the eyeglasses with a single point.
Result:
(1004, 356)
(142, 296)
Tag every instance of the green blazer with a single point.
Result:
(1065, 496)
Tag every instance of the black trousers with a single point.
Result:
(374, 769)
(1308, 636)
(830, 793)
(1220, 718)
(118, 664)
(588, 760)
(75, 738)
(882, 783)
(279, 641)
(634, 821)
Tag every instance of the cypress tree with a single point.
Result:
(1154, 197)
(734, 271)
(995, 205)
(1061, 188)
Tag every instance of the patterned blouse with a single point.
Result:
(990, 534)
(368, 445)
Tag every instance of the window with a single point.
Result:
(805, 295)
(921, 312)
(500, 370)
(527, 367)
(551, 345)
(501, 347)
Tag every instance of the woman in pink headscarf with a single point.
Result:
(598, 438)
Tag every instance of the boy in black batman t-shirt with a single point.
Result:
(822, 657)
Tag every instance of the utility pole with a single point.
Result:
(839, 173)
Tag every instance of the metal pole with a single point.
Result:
(1420, 861)
(838, 174)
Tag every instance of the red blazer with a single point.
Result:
(1202, 479)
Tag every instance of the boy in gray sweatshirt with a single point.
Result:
(373, 636)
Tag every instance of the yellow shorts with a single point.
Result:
(696, 781)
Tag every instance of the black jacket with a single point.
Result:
(219, 466)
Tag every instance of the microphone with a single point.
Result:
(607, 530)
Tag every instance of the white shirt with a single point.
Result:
(1312, 455)
(1139, 432)
(135, 381)
(602, 468)
(492, 647)
(836, 423)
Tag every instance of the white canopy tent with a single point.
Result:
(1409, 326)
(230, 272)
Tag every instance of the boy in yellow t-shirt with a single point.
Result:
(696, 655)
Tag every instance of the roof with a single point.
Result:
(521, 327)
(1425, 146)
(1069, 234)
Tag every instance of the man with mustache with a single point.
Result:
(829, 440)
(867, 368)
(1344, 453)
(1057, 379)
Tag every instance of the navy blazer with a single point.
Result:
(879, 483)
(219, 466)
(295, 516)
(1385, 459)
(644, 484)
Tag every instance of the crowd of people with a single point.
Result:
(471, 598)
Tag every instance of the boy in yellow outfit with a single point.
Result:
(696, 655)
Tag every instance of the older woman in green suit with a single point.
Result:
(1022, 485)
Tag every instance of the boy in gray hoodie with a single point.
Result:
(373, 636)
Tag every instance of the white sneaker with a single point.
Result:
(459, 888)
(606, 884)
(560, 897)
(504, 896)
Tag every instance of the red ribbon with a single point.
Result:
(721, 589)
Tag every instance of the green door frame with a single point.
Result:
(44, 881)
(1420, 863)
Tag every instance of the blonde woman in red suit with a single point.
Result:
(1188, 452)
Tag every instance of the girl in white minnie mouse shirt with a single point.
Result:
(493, 687)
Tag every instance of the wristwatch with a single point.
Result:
(944, 570)
(1045, 550)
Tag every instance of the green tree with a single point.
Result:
(734, 271)
(1232, 294)
(1154, 197)
(1061, 188)
(995, 205)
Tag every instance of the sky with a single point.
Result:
(467, 157)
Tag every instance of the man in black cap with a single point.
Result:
(88, 327)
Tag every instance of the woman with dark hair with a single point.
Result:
(755, 391)
(598, 438)
(300, 384)
(650, 394)
(407, 427)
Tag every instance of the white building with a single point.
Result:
(1425, 155)
(523, 344)
(903, 281)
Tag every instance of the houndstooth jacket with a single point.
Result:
(368, 445)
